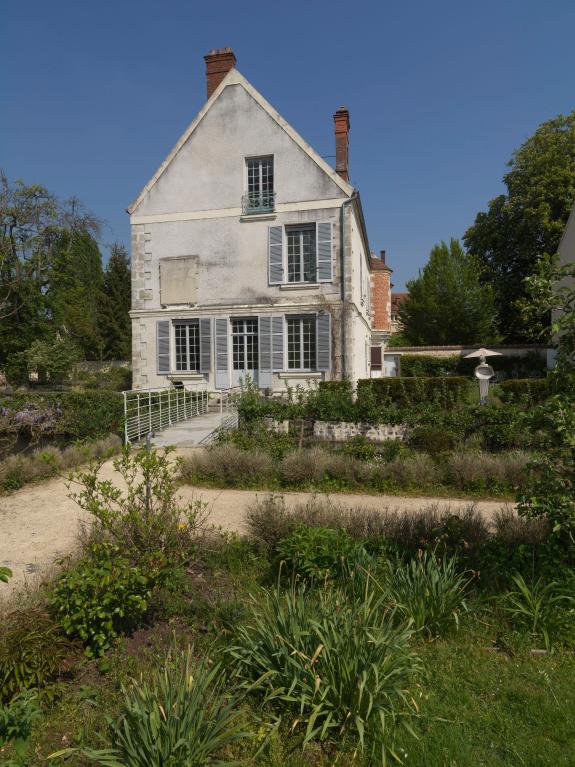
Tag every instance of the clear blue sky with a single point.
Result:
(95, 94)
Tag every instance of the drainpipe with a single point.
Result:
(343, 334)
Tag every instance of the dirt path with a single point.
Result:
(40, 523)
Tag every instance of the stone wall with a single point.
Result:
(342, 431)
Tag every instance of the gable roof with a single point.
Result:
(235, 77)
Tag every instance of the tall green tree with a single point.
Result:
(527, 222)
(447, 304)
(115, 323)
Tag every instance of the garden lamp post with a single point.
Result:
(483, 372)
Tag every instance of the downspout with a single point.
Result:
(343, 304)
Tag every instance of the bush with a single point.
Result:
(52, 359)
(229, 466)
(305, 466)
(406, 392)
(432, 439)
(430, 592)
(145, 521)
(32, 651)
(182, 716)
(485, 472)
(17, 720)
(318, 552)
(411, 471)
(526, 391)
(100, 597)
(416, 365)
(341, 666)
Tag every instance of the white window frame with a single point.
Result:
(300, 318)
(187, 369)
(260, 158)
(300, 229)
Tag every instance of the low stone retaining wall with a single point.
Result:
(340, 431)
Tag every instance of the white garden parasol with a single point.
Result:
(483, 372)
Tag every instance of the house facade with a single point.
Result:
(249, 252)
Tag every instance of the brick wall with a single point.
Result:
(380, 294)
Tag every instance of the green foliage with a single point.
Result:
(527, 391)
(100, 597)
(448, 303)
(5, 574)
(529, 365)
(318, 552)
(153, 530)
(442, 392)
(17, 720)
(528, 221)
(340, 666)
(430, 592)
(114, 321)
(32, 650)
(546, 610)
(116, 378)
(52, 359)
(254, 436)
(182, 716)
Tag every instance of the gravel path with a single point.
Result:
(40, 523)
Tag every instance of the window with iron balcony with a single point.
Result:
(260, 195)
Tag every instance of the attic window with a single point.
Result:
(260, 196)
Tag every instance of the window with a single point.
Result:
(187, 335)
(245, 344)
(301, 338)
(260, 195)
(301, 254)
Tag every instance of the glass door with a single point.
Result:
(245, 350)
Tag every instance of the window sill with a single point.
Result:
(301, 374)
(183, 376)
(300, 286)
(258, 217)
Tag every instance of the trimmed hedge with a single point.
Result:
(405, 391)
(527, 390)
(70, 414)
(530, 365)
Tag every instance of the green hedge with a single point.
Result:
(526, 390)
(70, 414)
(530, 365)
(405, 391)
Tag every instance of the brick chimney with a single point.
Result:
(380, 292)
(218, 64)
(341, 121)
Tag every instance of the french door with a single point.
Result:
(245, 356)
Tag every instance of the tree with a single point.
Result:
(527, 222)
(447, 304)
(115, 323)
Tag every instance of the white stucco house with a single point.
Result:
(249, 252)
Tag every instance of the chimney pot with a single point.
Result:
(341, 125)
(218, 64)
(382, 255)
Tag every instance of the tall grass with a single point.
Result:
(341, 666)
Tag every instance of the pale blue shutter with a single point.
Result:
(221, 345)
(205, 344)
(163, 347)
(265, 352)
(324, 255)
(278, 344)
(275, 255)
(323, 341)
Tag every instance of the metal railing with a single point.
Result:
(149, 410)
(253, 203)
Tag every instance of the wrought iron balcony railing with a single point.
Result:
(258, 202)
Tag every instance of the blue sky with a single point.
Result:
(95, 94)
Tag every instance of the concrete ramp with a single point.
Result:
(200, 430)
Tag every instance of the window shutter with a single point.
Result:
(205, 344)
(163, 346)
(278, 343)
(275, 255)
(323, 330)
(222, 367)
(265, 361)
(324, 258)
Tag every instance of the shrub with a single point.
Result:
(416, 365)
(17, 720)
(406, 392)
(430, 592)
(545, 609)
(432, 439)
(412, 471)
(502, 427)
(182, 716)
(254, 436)
(318, 552)
(305, 466)
(341, 666)
(145, 521)
(358, 447)
(53, 359)
(528, 391)
(486, 471)
(32, 650)
(100, 597)
(229, 466)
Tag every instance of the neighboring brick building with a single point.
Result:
(380, 279)
(396, 300)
